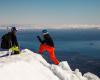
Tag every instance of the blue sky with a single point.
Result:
(49, 11)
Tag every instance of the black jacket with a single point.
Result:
(47, 40)
(9, 40)
(14, 39)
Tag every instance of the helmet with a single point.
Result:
(44, 31)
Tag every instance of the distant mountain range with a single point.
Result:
(51, 26)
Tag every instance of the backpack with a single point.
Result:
(6, 41)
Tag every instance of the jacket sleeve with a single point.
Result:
(16, 43)
(41, 41)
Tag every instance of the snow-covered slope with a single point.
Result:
(32, 66)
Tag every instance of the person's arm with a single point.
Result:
(15, 42)
(41, 41)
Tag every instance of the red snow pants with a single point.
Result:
(50, 50)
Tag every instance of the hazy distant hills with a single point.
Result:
(51, 26)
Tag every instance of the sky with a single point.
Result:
(50, 12)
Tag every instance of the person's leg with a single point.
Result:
(41, 49)
(52, 55)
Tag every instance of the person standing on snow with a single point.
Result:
(9, 41)
(47, 45)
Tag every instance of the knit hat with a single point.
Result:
(44, 32)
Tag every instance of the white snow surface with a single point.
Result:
(32, 66)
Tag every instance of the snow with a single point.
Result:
(32, 66)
